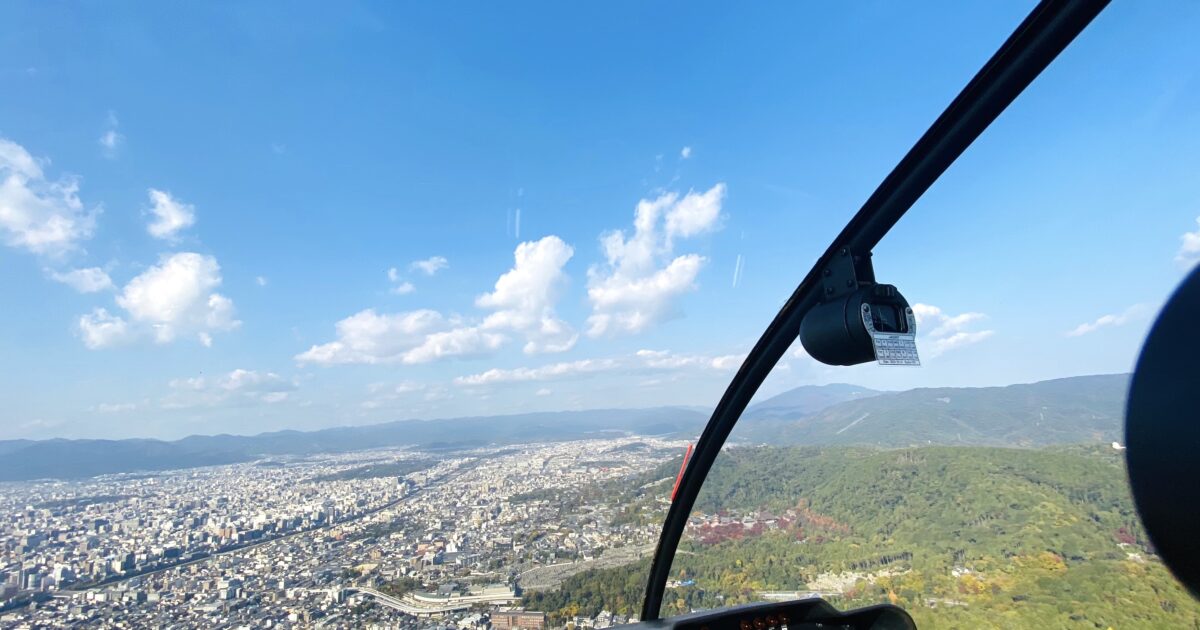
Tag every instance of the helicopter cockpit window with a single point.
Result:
(393, 315)
(987, 487)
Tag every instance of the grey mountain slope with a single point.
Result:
(806, 400)
(1084, 409)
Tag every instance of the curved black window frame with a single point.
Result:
(1037, 41)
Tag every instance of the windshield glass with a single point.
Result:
(373, 314)
(987, 487)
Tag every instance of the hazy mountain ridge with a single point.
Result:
(61, 458)
(806, 400)
(1086, 409)
(1081, 409)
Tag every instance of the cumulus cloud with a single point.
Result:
(1189, 249)
(36, 214)
(170, 215)
(946, 332)
(173, 298)
(430, 265)
(88, 280)
(410, 337)
(1112, 320)
(238, 387)
(522, 302)
(641, 279)
(685, 152)
(524, 297)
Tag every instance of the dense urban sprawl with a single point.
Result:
(333, 540)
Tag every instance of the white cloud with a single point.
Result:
(663, 359)
(522, 301)
(641, 360)
(175, 297)
(430, 265)
(524, 297)
(542, 373)
(260, 280)
(407, 387)
(469, 341)
(1189, 249)
(685, 152)
(635, 290)
(41, 216)
(238, 387)
(1105, 321)
(100, 329)
(946, 332)
(170, 215)
(170, 299)
(543, 392)
(409, 337)
(87, 280)
(399, 285)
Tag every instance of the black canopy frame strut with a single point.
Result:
(1045, 33)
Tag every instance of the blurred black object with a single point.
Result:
(1162, 433)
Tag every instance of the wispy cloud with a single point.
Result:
(1113, 320)
(642, 360)
(238, 387)
(87, 280)
(542, 373)
(685, 152)
(737, 271)
(947, 332)
(111, 139)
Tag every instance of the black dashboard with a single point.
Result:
(793, 615)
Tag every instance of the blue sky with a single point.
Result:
(212, 215)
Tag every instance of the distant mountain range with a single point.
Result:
(1064, 411)
(28, 459)
(1082, 409)
(806, 400)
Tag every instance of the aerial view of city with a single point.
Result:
(332, 541)
(573, 316)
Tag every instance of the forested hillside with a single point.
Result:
(960, 536)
